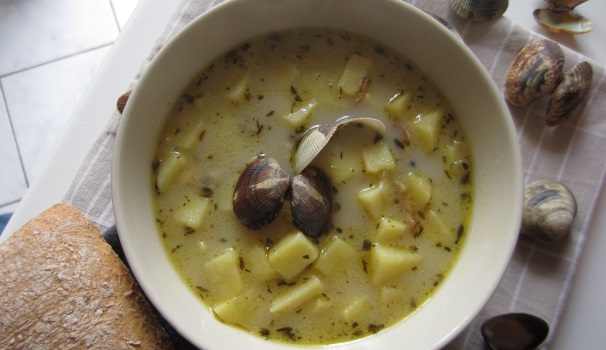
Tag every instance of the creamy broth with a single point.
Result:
(411, 213)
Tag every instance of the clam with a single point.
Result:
(559, 18)
(535, 72)
(311, 201)
(514, 331)
(549, 210)
(564, 5)
(569, 95)
(121, 103)
(479, 10)
(260, 191)
(313, 140)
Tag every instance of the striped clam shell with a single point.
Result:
(311, 202)
(260, 192)
(549, 210)
(479, 10)
(569, 95)
(535, 72)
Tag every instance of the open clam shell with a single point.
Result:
(549, 210)
(313, 140)
(562, 22)
(569, 95)
(479, 10)
(535, 72)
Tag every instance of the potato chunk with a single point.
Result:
(336, 257)
(373, 199)
(296, 296)
(435, 226)
(193, 211)
(377, 158)
(425, 129)
(387, 263)
(356, 308)
(256, 262)
(355, 70)
(455, 158)
(418, 188)
(292, 254)
(344, 166)
(390, 229)
(398, 105)
(190, 137)
(237, 90)
(223, 274)
(300, 116)
(169, 168)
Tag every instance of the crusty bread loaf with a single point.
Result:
(63, 287)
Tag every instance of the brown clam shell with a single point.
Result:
(121, 103)
(536, 71)
(562, 22)
(549, 210)
(311, 202)
(260, 191)
(479, 10)
(569, 95)
(514, 331)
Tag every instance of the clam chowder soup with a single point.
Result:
(355, 243)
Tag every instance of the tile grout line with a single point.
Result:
(57, 60)
(10, 123)
(111, 5)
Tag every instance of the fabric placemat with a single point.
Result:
(539, 276)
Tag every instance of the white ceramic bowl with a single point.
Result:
(448, 63)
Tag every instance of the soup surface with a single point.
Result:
(402, 197)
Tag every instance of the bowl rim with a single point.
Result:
(123, 206)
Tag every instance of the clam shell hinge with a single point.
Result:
(549, 210)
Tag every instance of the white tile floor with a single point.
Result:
(49, 53)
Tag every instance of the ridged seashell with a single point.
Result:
(121, 103)
(569, 95)
(564, 5)
(313, 140)
(536, 71)
(260, 191)
(562, 22)
(549, 210)
(311, 201)
(479, 10)
(514, 331)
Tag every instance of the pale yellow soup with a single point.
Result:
(402, 198)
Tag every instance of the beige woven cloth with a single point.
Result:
(539, 276)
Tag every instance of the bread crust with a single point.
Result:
(63, 287)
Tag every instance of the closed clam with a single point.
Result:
(311, 202)
(479, 10)
(260, 192)
(514, 331)
(549, 210)
(535, 72)
(569, 95)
